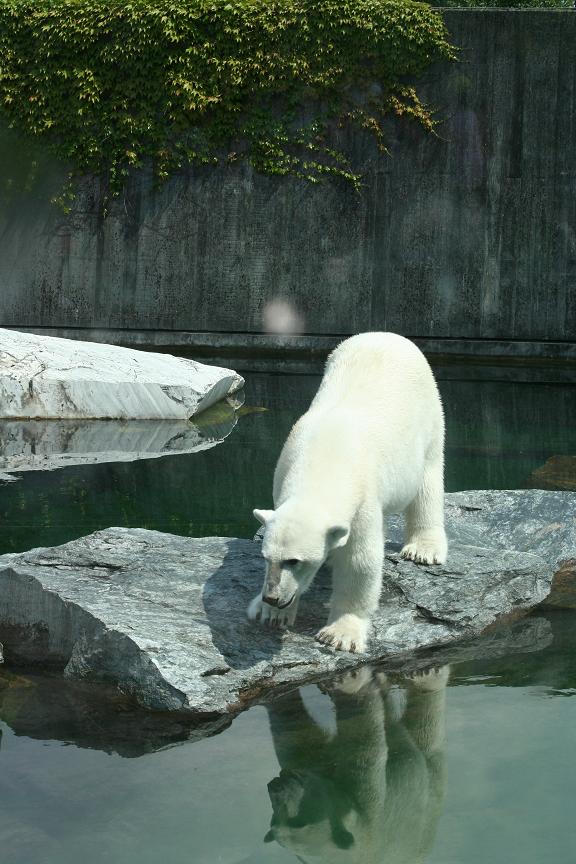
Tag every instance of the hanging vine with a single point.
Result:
(108, 86)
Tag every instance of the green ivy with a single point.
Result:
(109, 85)
(505, 4)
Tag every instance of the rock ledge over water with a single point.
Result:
(51, 378)
(163, 617)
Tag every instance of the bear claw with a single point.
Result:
(434, 678)
(423, 553)
(271, 616)
(341, 638)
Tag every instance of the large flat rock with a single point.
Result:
(98, 716)
(48, 377)
(163, 617)
(536, 521)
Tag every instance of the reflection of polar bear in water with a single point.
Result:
(371, 443)
(370, 791)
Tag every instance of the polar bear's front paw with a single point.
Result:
(430, 679)
(347, 633)
(352, 682)
(271, 615)
(430, 547)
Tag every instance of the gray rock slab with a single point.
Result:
(163, 617)
(527, 635)
(51, 378)
(536, 521)
(99, 717)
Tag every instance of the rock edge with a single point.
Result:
(46, 377)
(163, 617)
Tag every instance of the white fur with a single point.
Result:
(371, 443)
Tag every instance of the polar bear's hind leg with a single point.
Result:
(426, 541)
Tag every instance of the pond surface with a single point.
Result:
(498, 433)
(470, 765)
(359, 769)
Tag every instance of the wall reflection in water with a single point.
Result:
(498, 434)
(362, 769)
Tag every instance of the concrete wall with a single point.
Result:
(470, 234)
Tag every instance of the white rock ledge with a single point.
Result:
(44, 377)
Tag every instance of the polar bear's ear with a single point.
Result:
(263, 516)
(338, 536)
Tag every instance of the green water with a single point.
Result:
(354, 770)
(472, 765)
(498, 433)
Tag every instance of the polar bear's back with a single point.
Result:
(379, 391)
(381, 367)
(376, 416)
(377, 349)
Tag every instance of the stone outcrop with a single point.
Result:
(100, 717)
(163, 617)
(558, 472)
(51, 378)
(536, 521)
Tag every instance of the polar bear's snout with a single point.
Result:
(272, 599)
(280, 586)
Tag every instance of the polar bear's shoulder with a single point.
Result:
(375, 343)
(377, 357)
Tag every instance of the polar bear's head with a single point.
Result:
(314, 819)
(295, 545)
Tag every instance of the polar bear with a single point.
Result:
(371, 443)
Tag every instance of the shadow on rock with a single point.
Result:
(227, 593)
(244, 643)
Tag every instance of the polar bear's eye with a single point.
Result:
(291, 562)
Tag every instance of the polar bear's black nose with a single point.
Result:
(272, 601)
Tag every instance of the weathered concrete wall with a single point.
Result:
(471, 234)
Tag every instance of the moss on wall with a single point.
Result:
(110, 85)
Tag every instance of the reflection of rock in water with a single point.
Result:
(368, 786)
(48, 707)
(43, 445)
(558, 472)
